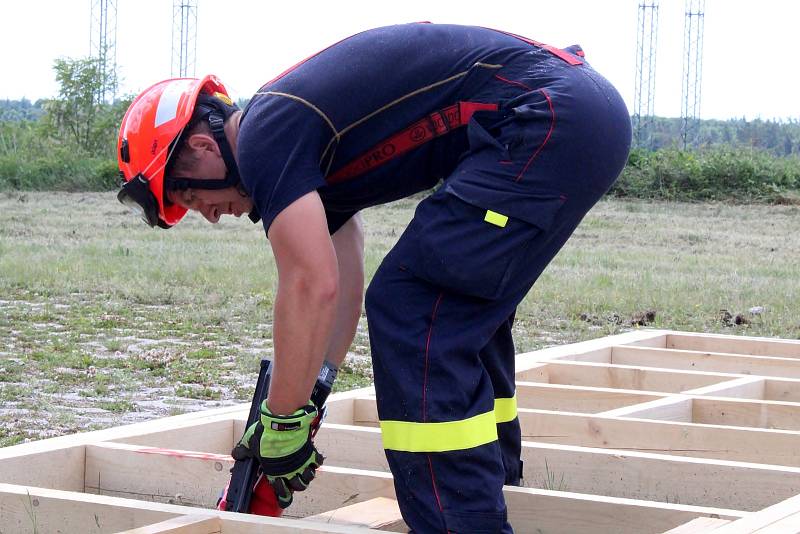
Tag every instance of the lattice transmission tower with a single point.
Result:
(103, 45)
(692, 69)
(184, 37)
(644, 93)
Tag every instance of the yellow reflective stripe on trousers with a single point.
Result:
(505, 410)
(439, 437)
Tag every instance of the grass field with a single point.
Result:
(104, 321)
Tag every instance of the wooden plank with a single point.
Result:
(250, 524)
(673, 408)
(528, 508)
(55, 469)
(756, 522)
(183, 477)
(365, 412)
(749, 413)
(707, 361)
(582, 399)
(540, 396)
(31, 509)
(700, 525)
(214, 436)
(782, 390)
(359, 447)
(533, 510)
(611, 472)
(778, 447)
(658, 477)
(756, 346)
(537, 373)
(333, 488)
(746, 387)
(620, 376)
(380, 513)
(177, 425)
(595, 350)
(187, 524)
(787, 525)
(616, 473)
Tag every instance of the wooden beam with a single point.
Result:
(529, 509)
(31, 509)
(366, 412)
(686, 439)
(673, 408)
(756, 346)
(212, 436)
(187, 524)
(707, 361)
(748, 413)
(701, 525)
(335, 487)
(577, 398)
(380, 513)
(746, 387)
(657, 477)
(595, 350)
(621, 376)
(359, 447)
(782, 390)
(555, 511)
(55, 468)
(183, 477)
(612, 472)
(184, 425)
(761, 521)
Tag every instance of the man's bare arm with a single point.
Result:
(348, 242)
(306, 301)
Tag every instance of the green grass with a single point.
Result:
(99, 311)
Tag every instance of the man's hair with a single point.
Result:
(182, 160)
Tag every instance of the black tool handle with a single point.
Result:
(244, 473)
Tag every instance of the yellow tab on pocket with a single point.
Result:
(492, 217)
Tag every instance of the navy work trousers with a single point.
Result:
(441, 306)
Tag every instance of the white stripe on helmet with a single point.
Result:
(170, 98)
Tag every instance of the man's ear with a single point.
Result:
(200, 142)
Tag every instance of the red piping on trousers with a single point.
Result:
(435, 491)
(424, 398)
(427, 347)
(546, 139)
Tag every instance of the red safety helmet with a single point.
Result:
(147, 136)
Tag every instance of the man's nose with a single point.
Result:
(208, 212)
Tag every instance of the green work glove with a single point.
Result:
(282, 444)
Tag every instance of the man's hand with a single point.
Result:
(282, 444)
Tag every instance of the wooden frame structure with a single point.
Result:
(648, 431)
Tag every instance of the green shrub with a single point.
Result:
(58, 171)
(718, 173)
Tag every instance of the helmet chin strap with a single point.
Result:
(216, 121)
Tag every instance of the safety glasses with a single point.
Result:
(136, 195)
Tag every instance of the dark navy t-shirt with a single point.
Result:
(311, 121)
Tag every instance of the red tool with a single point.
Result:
(248, 492)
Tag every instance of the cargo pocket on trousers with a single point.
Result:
(475, 522)
(465, 246)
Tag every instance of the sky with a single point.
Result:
(750, 66)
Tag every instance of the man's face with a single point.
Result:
(211, 203)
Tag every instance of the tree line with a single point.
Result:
(68, 143)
